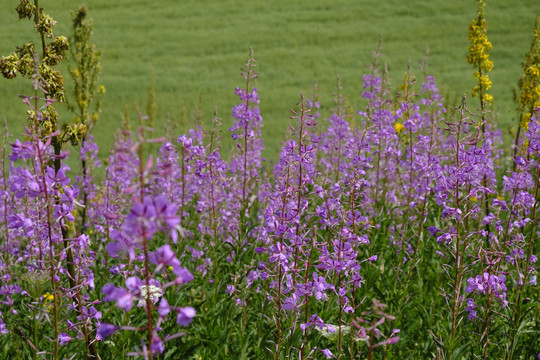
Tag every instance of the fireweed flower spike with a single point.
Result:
(284, 234)
(246, 159)
(132, 235)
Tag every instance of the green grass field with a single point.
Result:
(195, 49)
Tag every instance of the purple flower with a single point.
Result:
(390, 341)
(140, 221)
(488, 282)
(315, 320)
(3, 328)
(157, 345)
(123, 298)
(164, 256)
(105, 330)
(64, 339)
(134, 285)
(164, 308)
(290, 303)
(327, 353)
(185, 315)
(470, 308)
(183, 276)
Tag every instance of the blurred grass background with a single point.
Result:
(193, 49)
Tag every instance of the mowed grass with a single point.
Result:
(193, 50)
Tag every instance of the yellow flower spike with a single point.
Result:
(529, 82)
(478, 54)
(399, 127)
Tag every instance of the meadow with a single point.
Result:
(394, 220)
(190, 50)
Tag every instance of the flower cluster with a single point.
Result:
(529, 82)
(479, 54)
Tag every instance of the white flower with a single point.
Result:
(153, 291)
(333, 335)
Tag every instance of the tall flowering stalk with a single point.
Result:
(451, 185)
(459, 187)
(86, 91)
(479, 56)
(149, 215)
(528, 98)
(344, 155)
(44, 188)
(287, 238)
(48, 200)
(246, 162)
(39, 65)
(383, 140)
(424, 168)
(522, 255)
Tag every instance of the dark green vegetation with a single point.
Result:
(193, 48)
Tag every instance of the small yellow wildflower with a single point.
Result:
(47, 297)
(474, 198)
(533, 71)
(399, 127)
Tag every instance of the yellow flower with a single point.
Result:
(474, 198)
(533, 71)
(479, 54)
(399, 127)
(47, 297)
